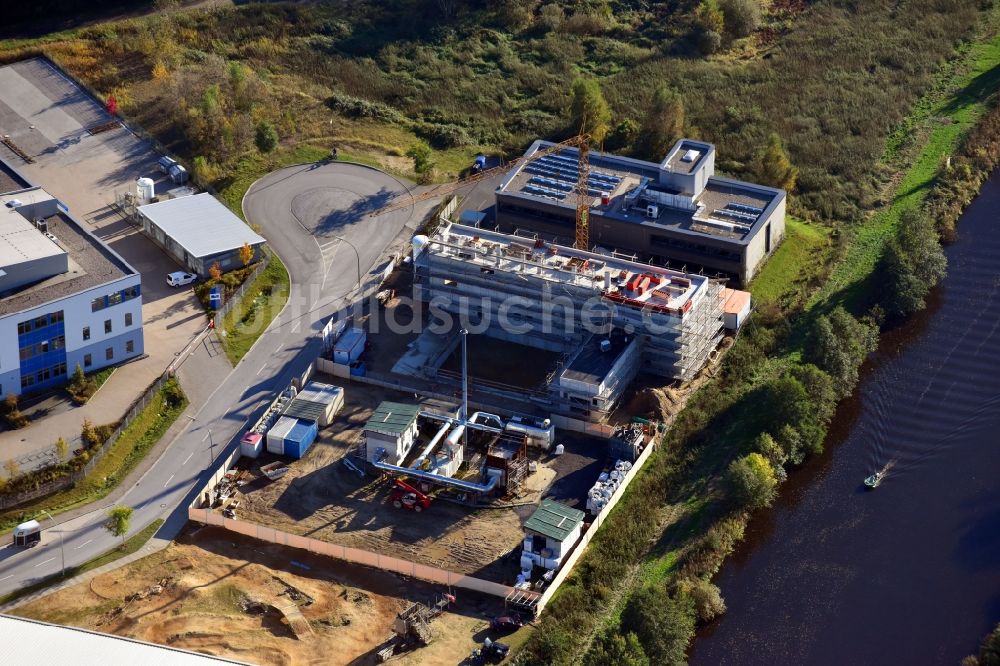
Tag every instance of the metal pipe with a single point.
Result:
(490, 484)
(430, 447)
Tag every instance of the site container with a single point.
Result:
(291, 437)
(350, 346)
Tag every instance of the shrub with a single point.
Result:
(11, 414)
(266, 137)
(421, 155)
(707, 598)
(741, 16)
(613, 649)
(773, 166)
(709, 41)
(751, 482)
(663, 623)
(172, 393)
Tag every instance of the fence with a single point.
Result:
(70, 480)
(236, 297)
(567, 566)
(198, 513)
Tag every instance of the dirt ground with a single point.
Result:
(322, 498)
(219, 593)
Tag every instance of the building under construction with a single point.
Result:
(610, 318)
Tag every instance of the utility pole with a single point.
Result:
(211, 441)
(62, 549)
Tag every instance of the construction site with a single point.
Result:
(217, 592)
(474, 423)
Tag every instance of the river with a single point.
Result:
(908, 573)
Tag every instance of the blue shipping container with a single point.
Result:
(300, 438)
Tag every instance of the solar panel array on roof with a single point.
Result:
(556, 175)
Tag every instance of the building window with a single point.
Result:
(107, 325)
(130, 293)
(128, 318)
(129, 346)
(86, 332)
(59, 342)
(109, 353)
(97, 304)
(114, 299)
(87, 360)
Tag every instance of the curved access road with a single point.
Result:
(312, 216)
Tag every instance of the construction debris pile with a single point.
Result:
(606, 486)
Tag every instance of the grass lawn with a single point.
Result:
(799, 259)
(262, 302)
(127, 451)
(132, 545)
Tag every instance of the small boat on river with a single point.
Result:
(872, 482)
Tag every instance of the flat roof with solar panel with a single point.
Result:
(680, 192)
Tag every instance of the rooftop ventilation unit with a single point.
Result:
(690, 156)
(652, 212)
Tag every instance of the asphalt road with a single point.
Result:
(311, 215)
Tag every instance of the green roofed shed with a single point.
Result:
(392, 418)
(554, 520)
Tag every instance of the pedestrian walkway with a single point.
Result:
(152, 546)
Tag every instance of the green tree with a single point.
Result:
(589, 110)
(751, 481)
(118, 520)
(266, 137)
(741, 16)
(710, 16)
(914, 263)
(773, 166)
(421, 155)
(766, 446)
(664, 123)
(664, 624)
(614, 649)
(78, 379)
(838, 345)
(707, 598)
(61, 449)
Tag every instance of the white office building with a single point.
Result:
(66, 298)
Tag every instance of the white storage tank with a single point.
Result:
(145, 190)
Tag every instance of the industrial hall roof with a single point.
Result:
(200, 224)
(554, 520)
(392, 418)
(34, 642)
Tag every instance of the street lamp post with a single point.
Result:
(211, 440)
(62, 549)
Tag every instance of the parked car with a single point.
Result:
(180, 278)
(506, 624)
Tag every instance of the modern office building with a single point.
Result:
(66, 298)
(676, 213)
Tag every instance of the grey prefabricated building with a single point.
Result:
(199, 231)
(675, 213)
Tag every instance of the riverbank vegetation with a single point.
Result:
(989, 651)
(831, 98)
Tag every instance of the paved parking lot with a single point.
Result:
(48, 117)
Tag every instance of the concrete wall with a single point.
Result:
(574, 557)
(758, 249)
(198, 513)
(77, 314)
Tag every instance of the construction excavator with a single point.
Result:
(583, 199)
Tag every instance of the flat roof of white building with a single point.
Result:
(20, 240)
(624, 281)
(33, 642)
(201, 224)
